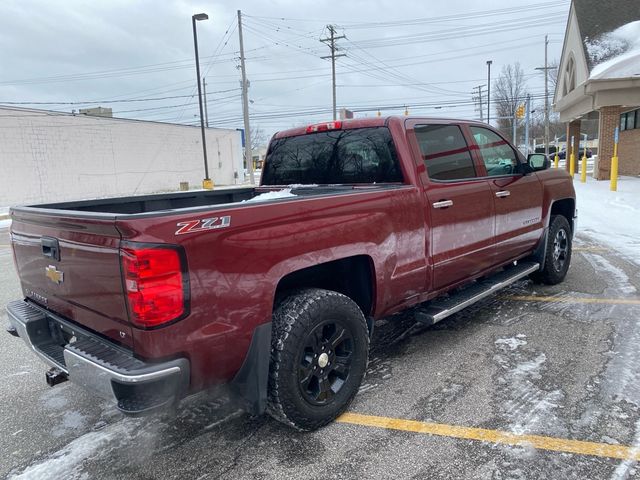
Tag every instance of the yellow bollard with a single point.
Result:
(572, 164)
(614, 169)
(556, 161)
(583, 168)
(207, 184)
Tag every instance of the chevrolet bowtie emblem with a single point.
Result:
(54, 275)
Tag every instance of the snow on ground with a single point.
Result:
(4, 222)
(616, 54)
(512, 343)
(611, 218)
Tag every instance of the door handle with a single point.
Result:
(443, 204)
(503, 193)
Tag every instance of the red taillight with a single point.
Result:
(323, 127)
(155, 285)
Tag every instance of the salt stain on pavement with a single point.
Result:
(71, 420)
(67, 463)
(526, 407)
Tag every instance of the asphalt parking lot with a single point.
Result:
(537, 382)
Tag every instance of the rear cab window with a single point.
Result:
(349, 156)
(445, 152)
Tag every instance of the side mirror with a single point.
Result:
(538, 161)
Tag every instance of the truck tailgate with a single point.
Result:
(71, 266)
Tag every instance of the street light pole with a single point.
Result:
(206, 183)
(489, 62)
(546, 69)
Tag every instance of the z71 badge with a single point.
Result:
(193, 226)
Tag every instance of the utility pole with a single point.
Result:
(248, 154)
(204, 94)
(479, 99)
(546, 69)
(526, 123)
(489, 62)
(331, 43)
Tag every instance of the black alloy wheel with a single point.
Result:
(319, 353)
(325, 362)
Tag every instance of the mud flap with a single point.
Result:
(539, 253)
(249, 386)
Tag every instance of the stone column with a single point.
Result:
(609, 120)
(573, 130)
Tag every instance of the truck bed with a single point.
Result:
(165, 202)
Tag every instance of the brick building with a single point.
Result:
(599, 78)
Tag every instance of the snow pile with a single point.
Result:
(611, 218)
(616, 54)
(284, 193)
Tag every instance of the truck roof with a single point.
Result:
(369, 122)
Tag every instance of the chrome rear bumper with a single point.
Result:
(97, 364)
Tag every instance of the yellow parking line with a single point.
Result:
(610, 301)
(494, 436)
(589, 249)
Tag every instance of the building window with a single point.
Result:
(569, 80)
(631, 120)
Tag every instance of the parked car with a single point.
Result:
(562, 154)
(274, 290)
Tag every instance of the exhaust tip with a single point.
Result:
(55, 376)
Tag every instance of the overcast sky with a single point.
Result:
(427, 55)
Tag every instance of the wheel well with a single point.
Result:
(352, 276)
(566, 208)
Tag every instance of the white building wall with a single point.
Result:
(573, 47)
(51, 157)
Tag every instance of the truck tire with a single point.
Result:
(319, 354)
(557, 254)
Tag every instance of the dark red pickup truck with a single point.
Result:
(274, 290)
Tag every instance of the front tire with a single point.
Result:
(557, 254)
(319, 353)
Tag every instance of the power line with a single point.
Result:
(93, 102)
(501, 11)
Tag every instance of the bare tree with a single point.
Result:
(553, 74)
(258, 138)
(508, 92)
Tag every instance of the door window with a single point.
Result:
(498, 156)
(445, 152)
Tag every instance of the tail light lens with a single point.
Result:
(156, 284)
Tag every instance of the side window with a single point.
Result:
(498, 156)
(445, 152)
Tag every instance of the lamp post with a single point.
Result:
(206, 183)
(489, 62)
